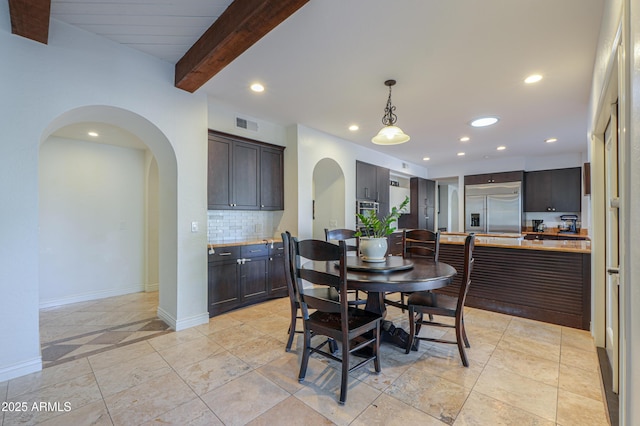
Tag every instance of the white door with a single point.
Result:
(612, 248)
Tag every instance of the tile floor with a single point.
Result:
(234, 371)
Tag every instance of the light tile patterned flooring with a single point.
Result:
(234, 371)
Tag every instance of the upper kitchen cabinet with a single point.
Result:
(557, 190)
(372, 184)
(501, 177)
(244, 174)
(423, 205)
(271, 178)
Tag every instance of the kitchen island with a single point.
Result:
(545, 280)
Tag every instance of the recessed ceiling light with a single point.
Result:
(93, 134)
(257, 87)
(426, 158)
(533, 78)
(353, 127)
(484, 121)
(551, 140)
(501, 148)
(465, 139)
(460, 154)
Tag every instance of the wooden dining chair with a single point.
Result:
(357, 330)
(417, 243)
(328, 293)
(353, 245)
(431, 303)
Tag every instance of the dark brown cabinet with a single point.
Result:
(224, 293)
(244, 174)
(502, 177)
(557, 190)
(395, 244)
(271, 179)
(244, 275)
(277, 285)
(423, 203)
(372, 184)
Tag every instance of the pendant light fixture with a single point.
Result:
(390, 134)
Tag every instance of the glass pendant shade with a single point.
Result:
(390, 135)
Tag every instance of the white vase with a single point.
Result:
(373, 249)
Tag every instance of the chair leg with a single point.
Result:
(412, 329)
(376, 348)
(459, 341)
(464, 334)
(292, 330)
(306, 351)
(345, 372)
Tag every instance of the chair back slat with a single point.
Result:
(317, 250)
(421, 242)
(347, 235)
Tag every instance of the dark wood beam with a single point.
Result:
(30, 19)
(241, 25)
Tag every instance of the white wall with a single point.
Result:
(313, 146)
(329, 195)
(92, 221)
(623, 14)
(44, 86)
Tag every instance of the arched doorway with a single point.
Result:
(328, 197)
(158, 173)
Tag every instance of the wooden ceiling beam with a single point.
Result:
(240, 26)
(30, 19)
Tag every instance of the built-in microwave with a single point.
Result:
(363, 208)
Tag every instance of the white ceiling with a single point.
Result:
(454, 60)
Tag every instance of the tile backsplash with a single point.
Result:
(230, 225)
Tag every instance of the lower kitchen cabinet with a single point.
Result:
(277, 284)
(244, 275)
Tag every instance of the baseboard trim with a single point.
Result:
(20, 369)
(607, 385)
(167, 318)
(91, 296)
(151, 287)
(182, 324)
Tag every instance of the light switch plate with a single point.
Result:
(194, 226)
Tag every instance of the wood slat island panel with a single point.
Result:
(545, 285)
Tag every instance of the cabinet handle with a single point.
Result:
(239, 261)
(280, 248)
(246, 260)
(262, 206)
(226, 253)
(255, 251)
(366, 193)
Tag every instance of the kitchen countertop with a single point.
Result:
(516, 241)
(243, 242)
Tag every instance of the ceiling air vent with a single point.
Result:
(243, 123)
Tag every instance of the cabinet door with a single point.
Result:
(276, 276)
(271, 179)
(430, 205)
(245, 180)
(382, 191)
(219, 177)
(224, 291)
(537, 191)
(253, 278)
(566, 189)
(366, 181)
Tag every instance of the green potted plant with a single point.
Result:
(374, 231)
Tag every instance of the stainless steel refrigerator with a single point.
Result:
(493, 208)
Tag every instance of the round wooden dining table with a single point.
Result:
(395, 274)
